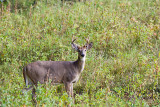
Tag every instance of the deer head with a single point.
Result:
(81, 50)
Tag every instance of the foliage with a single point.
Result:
(122, 69)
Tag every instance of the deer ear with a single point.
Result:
(75, 47)
(89, 46)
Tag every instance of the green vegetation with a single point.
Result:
(122, 68)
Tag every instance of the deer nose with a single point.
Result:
(82, 55)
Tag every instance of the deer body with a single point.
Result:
(66, 72)
(57, 71)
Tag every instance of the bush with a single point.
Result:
(122, 68)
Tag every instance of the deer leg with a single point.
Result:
(34, 96)
(71, 89)
(68, 87)
(72, 94)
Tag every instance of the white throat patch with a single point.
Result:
(83, 58)
(83, 62)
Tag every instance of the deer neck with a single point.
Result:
(80, 63)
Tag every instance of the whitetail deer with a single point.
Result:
(66, 72)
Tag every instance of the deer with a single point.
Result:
(65, 72)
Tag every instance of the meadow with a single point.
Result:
(122, 68)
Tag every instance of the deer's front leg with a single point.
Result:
(69, 88)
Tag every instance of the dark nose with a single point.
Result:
(82, 55)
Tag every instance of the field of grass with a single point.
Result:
(122, 68)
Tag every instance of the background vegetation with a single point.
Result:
(122, 68)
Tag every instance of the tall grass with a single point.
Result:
(122, 69)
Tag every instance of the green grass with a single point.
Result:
(122, 68)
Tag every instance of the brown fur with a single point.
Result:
(66, 72)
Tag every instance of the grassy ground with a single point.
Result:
(122, 68)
